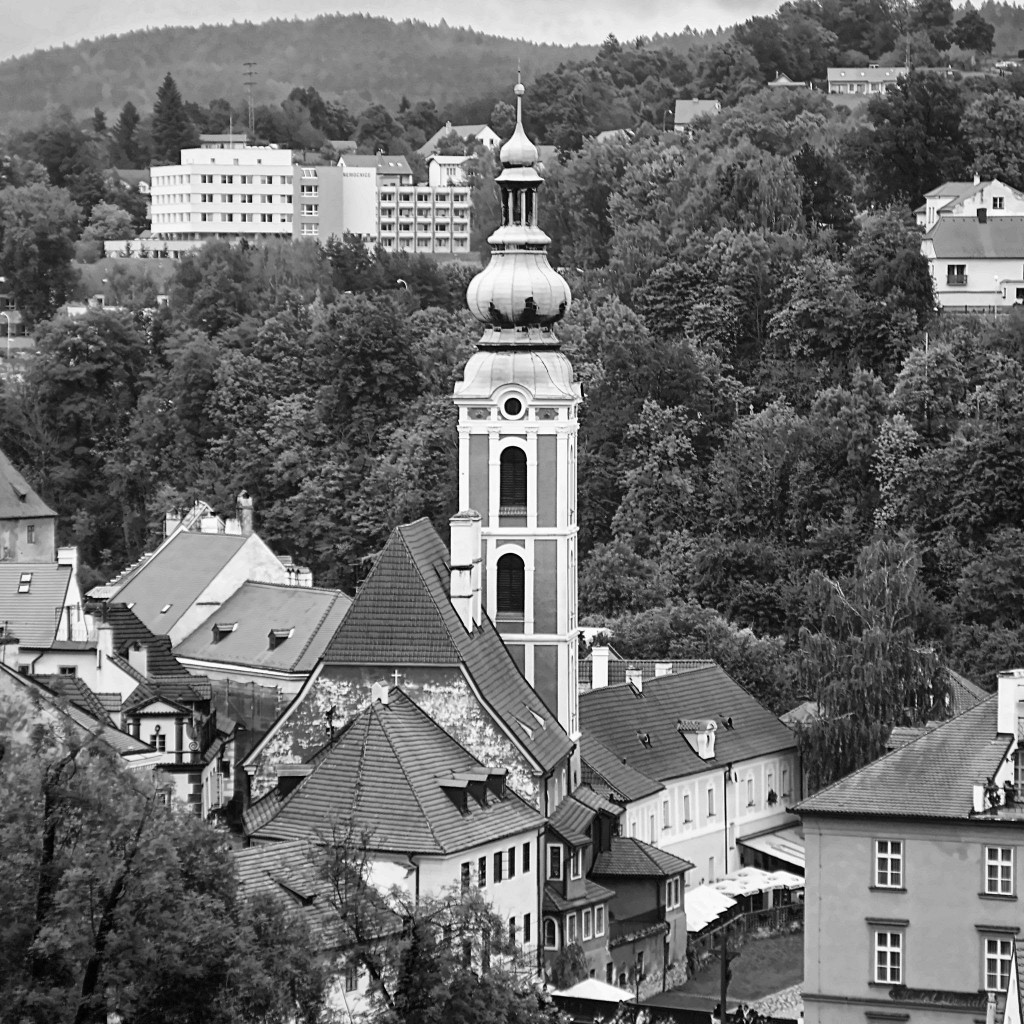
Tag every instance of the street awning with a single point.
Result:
(704, 905)
(787, 844)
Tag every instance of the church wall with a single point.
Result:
(442, 692)
(545, 586)
(547, 476)
(478, 475)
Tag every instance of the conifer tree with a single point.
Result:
(126, 142)
(173, 131)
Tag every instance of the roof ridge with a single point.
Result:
(315, 631)
(401, 762)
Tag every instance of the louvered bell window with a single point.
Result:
(513, 481)
(511, 585)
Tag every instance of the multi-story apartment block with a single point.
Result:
(424, 218)
(914, 875)
(224, 189)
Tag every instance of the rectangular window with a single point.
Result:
(526, 929)
(481, 872)
(512, 930)
(686, 808)
(711, 869)
(956, 274)
(570, 928)
(673, 890)
(511, 862)
(889, 863)
(526, 858)
(999, 870)
(310, 210)
(311, 230)
(554, 862)
(576, 864)
(67, 670)
(711, 801)
(599, 920)
(666, 818)
(785, 782)
(888, 958)
(30, 533)
(497, 867)
(25, 583)
(997, 202)
(588, 924)
(650, 826)
(750, 792)
(997, 964)
(351, 977)
(158, 740)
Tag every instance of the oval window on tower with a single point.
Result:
(512, 407)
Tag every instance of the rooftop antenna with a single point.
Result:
(249, 75)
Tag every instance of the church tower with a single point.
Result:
(517, 440)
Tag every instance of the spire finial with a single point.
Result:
(519, 89)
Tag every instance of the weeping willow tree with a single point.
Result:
(869, 664)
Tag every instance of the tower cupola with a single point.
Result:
(518, 291)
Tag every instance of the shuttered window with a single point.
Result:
(513, 478)
(511, 585)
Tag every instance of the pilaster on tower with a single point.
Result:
(518, 430)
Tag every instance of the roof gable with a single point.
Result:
(384, 775)
(629, 857)
(617, 715)
(17, 498)
(33, 615)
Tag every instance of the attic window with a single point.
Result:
(166, 608)
(524, 727)
(25, 583)
(644, 738)
(537, 718)
(223, 629)
(278, 637)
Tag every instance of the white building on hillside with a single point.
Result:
(225, 189)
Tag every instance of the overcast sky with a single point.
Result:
(30, 26)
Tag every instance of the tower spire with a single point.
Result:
(518, 293)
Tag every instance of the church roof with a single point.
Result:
(17, 498)
(403, 615)
(390, 774)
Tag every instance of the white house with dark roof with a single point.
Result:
(702, 769)
(866, 82)
(976, 262)
(687, 111)
(966, 198)
(914, 875)
(266, 633)
(483, 134)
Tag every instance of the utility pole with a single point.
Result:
(724, 961)
(250, 75)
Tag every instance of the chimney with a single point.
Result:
(977, 179)
(635, 678)
(466, 570)
(172, 520)
(244, 509)
(380, 692)
(982, 215)
(68, 556)
(1011, 692)
(599, 666)
(138, 658)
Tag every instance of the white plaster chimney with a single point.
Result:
(1011, 693)
(68, 556)
(599, 666)
(466, 567)
(246, 513)
(138, 658)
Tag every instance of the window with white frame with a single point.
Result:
(998, 202)
(998, 953)
(576, 864)
(666, 817)
(687, 816)
(889, 863)
(570, 928)
(599, 920)
(351, 977)
(999, 870)
(673, 893)
(750, 792)
(711, 801)
(554, 861)
(550, 933)
(587, 924)
(888, 947)
(785, 782)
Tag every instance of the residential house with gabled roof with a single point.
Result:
(27, 524)
(688, 111)
(914, 874)
(483, 134)
(422, 803)
(619, 899)
(965, 198)
(865, 82)
(411, 625)
(201, 562)
(266, 633)
(703, 770)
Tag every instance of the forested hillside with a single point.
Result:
(354, 59)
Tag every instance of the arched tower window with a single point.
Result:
(511, 585)
(513, 479)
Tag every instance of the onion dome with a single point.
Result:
(518, 290)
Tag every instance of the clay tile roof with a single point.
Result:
(555, 901)
(633, 858)
(33, 617)
(967, 238)
(595, 802)
(72, 689)
(606, 773)
(402, 614)
(310, 617)
(930, 777)
(384, 775)
(17, 499)
(615, 714)
(570, 820)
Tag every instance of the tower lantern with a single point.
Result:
(517, 439)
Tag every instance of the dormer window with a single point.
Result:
(25, 583)
(278, 637)
(223, 629)
(554, 862)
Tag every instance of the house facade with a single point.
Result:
(869, 81)
(914, 874)
(687, 111)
